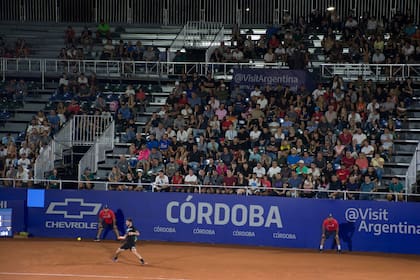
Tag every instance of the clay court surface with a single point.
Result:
(68, 259)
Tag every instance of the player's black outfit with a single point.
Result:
(130, 240)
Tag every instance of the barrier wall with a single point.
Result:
(267, 221)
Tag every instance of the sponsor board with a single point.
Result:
(231, 219)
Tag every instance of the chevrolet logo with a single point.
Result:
(83, 208)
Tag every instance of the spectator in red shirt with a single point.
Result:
(106, 220)
(345, 137)
(330, 228)
(73, 108)
(343, 173)
(348, 160)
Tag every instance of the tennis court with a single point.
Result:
(67, 259)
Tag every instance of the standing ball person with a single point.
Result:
(330, 228)
(130, 237)
(106, 220)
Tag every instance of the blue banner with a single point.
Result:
(247, 78)
(230, 219)
(16, 200)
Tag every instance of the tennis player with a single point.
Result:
(106, 220)
(130, 238)
(330, 228)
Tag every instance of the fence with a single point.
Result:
(204, 189)
(376, 72)
(53, 68)
(96, 153)
(179, 12)
(81, 130)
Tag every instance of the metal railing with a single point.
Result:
(97, 151)
(413, 170)
(80, 130)
(376, 72)
(45, 68)
(169, 12)
(203, 189)
(220, 37)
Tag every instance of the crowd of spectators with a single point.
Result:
(269, 141)
(20, 49)
(337, 137)
(352, 39)
(82, 46)
(368, 39)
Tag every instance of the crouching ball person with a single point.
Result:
(130, 238)
(106, 220)
(330, 228)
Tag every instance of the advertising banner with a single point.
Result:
(247, 78)
(222, 219)
(231, 219)
(15, 199)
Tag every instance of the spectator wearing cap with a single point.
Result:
(301, 168)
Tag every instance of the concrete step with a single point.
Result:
(395, 170)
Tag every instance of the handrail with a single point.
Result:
(117, 68)
(248, 190)
(378, 72)
(96, 153)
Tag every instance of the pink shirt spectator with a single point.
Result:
(143, 154)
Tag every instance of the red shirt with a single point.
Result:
(107, 215)
(330, 224)
(345, 138)
(343, 174)
(348, 162)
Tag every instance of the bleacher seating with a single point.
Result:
(17, 119)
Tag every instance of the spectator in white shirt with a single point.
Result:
(274, 169)
(161, 182)
(259, 170)
(318, 92)
(378, 57)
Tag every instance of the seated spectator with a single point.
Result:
(21, 48)
(367, 187)
(69, 36)
(86, 39)
(103, 30)
(108, 50)
(21, 176)
(396, 190)
(86, 180)
(149, 54)
(53, 180)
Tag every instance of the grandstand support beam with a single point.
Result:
(239, 17)
(165, 17)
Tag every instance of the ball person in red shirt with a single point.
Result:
(106, 220)
(330, 228)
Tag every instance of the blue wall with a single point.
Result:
(267, 221)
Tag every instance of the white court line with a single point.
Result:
(162, 278)
(63, 275)
(84, 276)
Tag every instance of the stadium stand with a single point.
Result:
(302, 131)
